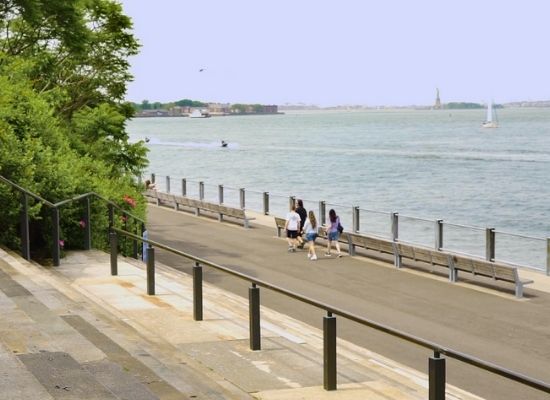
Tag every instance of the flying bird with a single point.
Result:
(202, 69)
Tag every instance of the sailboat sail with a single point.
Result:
(489, 123)
(490, 112)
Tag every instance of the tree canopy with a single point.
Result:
(63, 75)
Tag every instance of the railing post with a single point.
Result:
(254, 317)
(266, 203)
(87, 225)
(397, 260)
(167, 184)
(25, 243)
(135, 243)
(150, 271)
(113, 241)
(490, 244)
(291, 202)
(220, 194)
(145, 236)
(355, 218)
(242, 198)
(123, 246)
(111, 216)
(197, 292)
(201, 190)
(438, 234)
(152, 178)
(436, 374)
(183, 187)
(322, 212)
(329, 352)
(55, 237)
(395, 226)
(547, 256)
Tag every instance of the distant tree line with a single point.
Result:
(235, 108)
(468, 106)
(146, 105)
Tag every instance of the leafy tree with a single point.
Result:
(63, 75)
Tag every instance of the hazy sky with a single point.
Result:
(393, 52)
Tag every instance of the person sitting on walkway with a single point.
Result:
(311, 229)
(149, 185)
(292, 226)
(333, 234)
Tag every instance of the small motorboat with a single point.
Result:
(224, 143)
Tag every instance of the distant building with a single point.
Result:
(437, 105)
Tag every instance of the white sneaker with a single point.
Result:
(313, 258)
(308, 255)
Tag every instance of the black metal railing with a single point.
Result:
(55, 217)
(437, 373)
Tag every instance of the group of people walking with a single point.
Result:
(300, 222)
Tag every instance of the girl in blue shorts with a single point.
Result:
(333, 233)
(311, 229)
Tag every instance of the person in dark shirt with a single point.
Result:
(303, 216)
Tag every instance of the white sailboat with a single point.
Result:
(490, 123)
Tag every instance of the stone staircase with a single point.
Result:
(75, 332)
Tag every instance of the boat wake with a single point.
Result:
(192, 145)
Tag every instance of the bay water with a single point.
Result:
(423, 164)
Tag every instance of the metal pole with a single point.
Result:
(167, 184)
(436, 374)
(220, 194)
(55, 237)
(25, 242)
(111, 216)
(152, 178)
(322, 212)
(355, 218)
(490, 244)
(291, 202)
(123, 247)
(547, 256)
(397, 260)
(439, 234)
(266, 203)
(242, 198)
(113, 240)
(150, 271)
(135, 242)
(183, 187)
(197, 292)
(201, 190)
(88, 225)
(394, 226)
(329, 352)
(254, 317)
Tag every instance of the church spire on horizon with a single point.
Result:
(437, 105)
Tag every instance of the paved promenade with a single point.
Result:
(482, 320)
(75, 332)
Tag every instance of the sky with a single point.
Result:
(345, 52)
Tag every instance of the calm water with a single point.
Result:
(426, 164)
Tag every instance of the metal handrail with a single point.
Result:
(63, 202)
(520, 235)
(23, 190)
(437, 348)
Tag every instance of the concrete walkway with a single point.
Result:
(75, 332)
(475, 317)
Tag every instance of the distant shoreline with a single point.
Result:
(211, 115)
